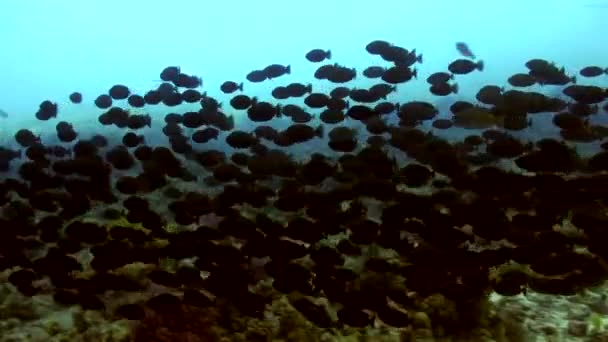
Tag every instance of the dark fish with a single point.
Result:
(263, 111)
(153, 97)
(76, 97)
(395, 54)
(277, 70)
(489, 94)
(318, 55)
(464, 50)
(444, 89)
(298, 89)
(266, 132)
(339, 92)
(188, 81)
(6, 153)
(442, 123)
(257, 76)
(331, 116)
(65, 132)
(291, 110)
(205, 135)
(401, 56)
(240, 139)
(191, 96)
(230, 87)
(119, 92)
(399, 74)
(280, 93)
(169, 74)
(103, 101)
(521, 80)
(593, 71)
(26, 138)
(382, 89)
(242, 102)
(364, 96)
(464, 66)
(316, 100)
(374, 72)
(131, 139)
(298, 133)
(136, 101)
(47, 110)
(439, 77)
(378, 47)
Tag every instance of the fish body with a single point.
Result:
(464, 50)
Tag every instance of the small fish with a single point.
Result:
(3, 114)
(464, 50)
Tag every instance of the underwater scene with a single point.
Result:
(353, 171)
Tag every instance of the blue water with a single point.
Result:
(50, 49)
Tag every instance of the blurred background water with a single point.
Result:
(51, 48)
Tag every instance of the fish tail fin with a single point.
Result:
(419, 58)
(455, 88)
(606, 71)
(240, 87)
(279, 111)
(480, 65)
(415, 73)
(328, 54)
(288, 69)
(319, 132)
(309, 88)
(573, 79)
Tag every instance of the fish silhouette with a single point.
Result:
(3, 114)
(464, 50)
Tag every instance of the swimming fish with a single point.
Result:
(464, 50)
(3, 114)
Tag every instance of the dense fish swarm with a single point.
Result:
(364, 234)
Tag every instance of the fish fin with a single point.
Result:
(455, 88)
(419, 58)
(480, 65)
(288, 69)
(240, 87)
(279, 111)
(319, 131)
(309, 88)
(328, 54)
